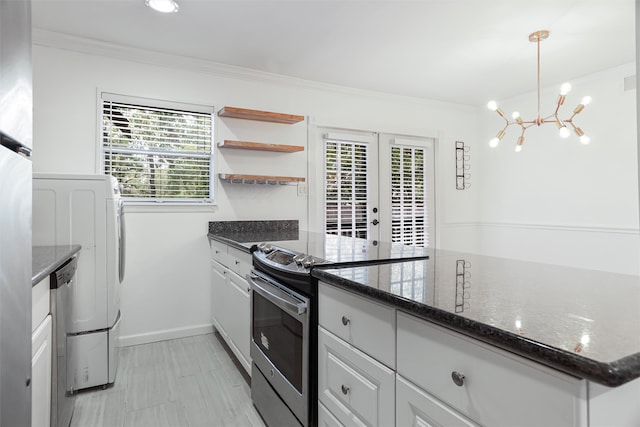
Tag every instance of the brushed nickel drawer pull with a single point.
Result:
(457, 378)
(345, 320)
(345, 389)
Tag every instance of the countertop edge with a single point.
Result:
(233, 243)
(612, 374)
(45, 269)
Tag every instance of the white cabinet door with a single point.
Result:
(41, 353)
(415, 407)
(239, 304)
(218, 297)
(356, 389)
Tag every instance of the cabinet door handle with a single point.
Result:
(345, 389)
(237, 262)
(457, 378)
(345, 320)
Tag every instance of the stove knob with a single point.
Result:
(261, 246)
(308, 261)
(299, 259)
(268, 248)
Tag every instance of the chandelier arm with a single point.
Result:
(555, 113)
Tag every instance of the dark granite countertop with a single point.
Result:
(583, 322)
(47, 259)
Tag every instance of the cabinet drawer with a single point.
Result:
(498, 388)
(356, 389)
(415, 407)
(326, 418)
(218, 251)
(239, 261)
(369, 326)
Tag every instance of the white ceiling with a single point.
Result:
(464, 51)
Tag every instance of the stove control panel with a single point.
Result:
(284, 257)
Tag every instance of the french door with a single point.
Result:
(379, 186)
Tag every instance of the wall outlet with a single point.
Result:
(303, 189)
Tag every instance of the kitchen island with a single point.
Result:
(466, 339)
(471, 313)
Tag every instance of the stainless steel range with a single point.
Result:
(283, 330)
(284, 318)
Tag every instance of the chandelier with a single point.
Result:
(537, 37)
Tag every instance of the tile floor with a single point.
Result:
(185, 382)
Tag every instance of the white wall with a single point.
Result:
(166, 290)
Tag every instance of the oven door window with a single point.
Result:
(279, 336)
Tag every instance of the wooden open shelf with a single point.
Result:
(246, 145)
(262, 116)
(259, 179)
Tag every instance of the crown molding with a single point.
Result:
(56, 40)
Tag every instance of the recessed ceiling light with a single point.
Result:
(164, 6)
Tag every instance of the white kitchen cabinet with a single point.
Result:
(493, 387)
(230, 299)
(356, 359)
(355, 388)
(238, 303)
(41, 354)
(218, 291)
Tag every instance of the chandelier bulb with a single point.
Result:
(492, 105)
(586, 100)
(519, 144)
(565, 88)
(584, 139)
(164, 6)
(493, 142)
(564, 132)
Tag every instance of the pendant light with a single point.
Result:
(517, 120)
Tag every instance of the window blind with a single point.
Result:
(157, 153)
(346, 184)
(409, 208)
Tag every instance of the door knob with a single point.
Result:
(375, 222)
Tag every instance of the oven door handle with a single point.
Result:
(278, 296)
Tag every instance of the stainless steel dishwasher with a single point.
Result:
(62, 393)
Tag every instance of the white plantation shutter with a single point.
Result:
(410, 195)
(346, 186)
(159, 152)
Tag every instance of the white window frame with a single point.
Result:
(176, 203)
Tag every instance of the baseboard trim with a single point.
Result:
(167, 334)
